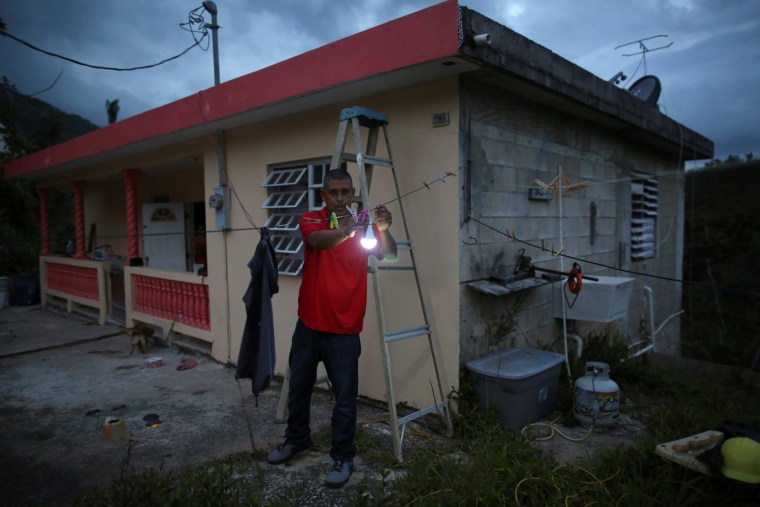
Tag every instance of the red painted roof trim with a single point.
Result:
(423, 36)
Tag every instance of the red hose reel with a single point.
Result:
(575, 279)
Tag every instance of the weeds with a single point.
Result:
(221, 481)
(484, 464)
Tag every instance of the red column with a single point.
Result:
(130, 193)
(78, 187)
(44, 234)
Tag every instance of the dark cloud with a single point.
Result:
(708, 75)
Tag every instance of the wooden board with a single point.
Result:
(494, 287)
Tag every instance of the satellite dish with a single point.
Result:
(647, 89)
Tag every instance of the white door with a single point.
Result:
(164, 235)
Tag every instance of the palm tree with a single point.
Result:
(112, 109)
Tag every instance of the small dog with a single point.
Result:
(140, 334)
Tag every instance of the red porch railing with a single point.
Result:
(174, 301)
(82, 282)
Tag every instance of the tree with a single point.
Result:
(731, 160)
(112, 110)
(19, 204)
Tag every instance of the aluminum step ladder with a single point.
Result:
(365, 160)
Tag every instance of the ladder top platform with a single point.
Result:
(367, 117)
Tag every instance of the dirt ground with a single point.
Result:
(62, 376)
(570, 444)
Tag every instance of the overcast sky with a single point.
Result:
(710, 74)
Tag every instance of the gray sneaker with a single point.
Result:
(340, 473)
(284, 453)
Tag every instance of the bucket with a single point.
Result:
(597, 397)
(114, 429)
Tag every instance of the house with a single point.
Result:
(546, 156)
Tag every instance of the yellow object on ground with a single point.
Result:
(741, 459)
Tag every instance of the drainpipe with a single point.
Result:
(649, 295)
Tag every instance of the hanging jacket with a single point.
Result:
(256, 358)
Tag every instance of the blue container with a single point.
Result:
(4, 292)
(521, 382)
(25, 290)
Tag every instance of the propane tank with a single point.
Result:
(597, 397)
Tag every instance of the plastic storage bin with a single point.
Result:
(520, 382)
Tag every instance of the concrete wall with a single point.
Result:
(509, 142)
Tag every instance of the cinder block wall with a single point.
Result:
(508, 141)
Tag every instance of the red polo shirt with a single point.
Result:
(333, 294)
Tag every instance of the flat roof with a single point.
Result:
(425, 45)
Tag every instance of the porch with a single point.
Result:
(170, 300)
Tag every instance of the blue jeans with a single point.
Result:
(340, 355)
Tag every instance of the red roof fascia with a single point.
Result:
(426, 35)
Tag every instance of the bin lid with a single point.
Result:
(515, 363)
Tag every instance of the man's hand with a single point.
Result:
(351, 228)
(383, 218)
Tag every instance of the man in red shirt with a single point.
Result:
(331, 306)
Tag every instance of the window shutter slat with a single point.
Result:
(644, 213)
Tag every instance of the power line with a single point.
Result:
(659, 277)
(49, 87)
(100, 67)
(442, 178)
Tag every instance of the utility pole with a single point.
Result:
(214, 27)
(220, 199)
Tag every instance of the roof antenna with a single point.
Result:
(644, 49)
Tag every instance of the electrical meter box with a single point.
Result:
(520, 382)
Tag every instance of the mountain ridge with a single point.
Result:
(30, 115)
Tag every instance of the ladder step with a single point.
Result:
(395, 268)
(390, 268)
(416, 415)
(366, 159)
(403, 245)
(367, 117)
(407, 333)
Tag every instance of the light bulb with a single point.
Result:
(368, 240)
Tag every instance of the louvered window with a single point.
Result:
(293, 190)
(645, 207)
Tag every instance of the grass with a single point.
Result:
(227, 479)
(484, 464)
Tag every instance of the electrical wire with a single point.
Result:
(227, 179)
(197, 42)
(49, 87)
(512, 237)
(587, 261)
(195, 19)
(425, 184)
